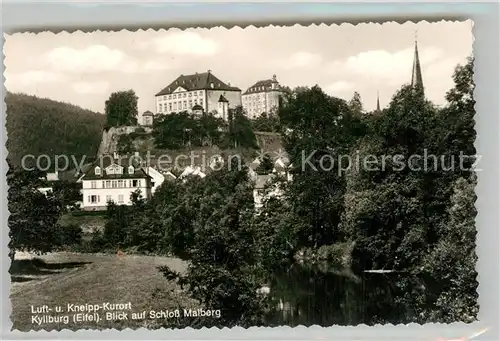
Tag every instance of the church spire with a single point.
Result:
(416, 75)
(378, 103)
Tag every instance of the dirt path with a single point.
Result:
(96, 279)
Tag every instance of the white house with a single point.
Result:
(45, 190)
(157, 178)
(168, 175)
(111, 179)
(265, 188)
(189, 170)
(48, 181)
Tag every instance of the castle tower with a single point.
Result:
(416, 75)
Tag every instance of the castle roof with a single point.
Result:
(197, 81)
(263, 86)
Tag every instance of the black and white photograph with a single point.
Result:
(246, 176)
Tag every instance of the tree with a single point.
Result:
(125, 145)
(240, 132)
(221, 274)
(268, 122)
(453, 260)
(455, 131)
(388, 206)
(170, 131)
(121, 108)
(266, 165)
(322, 131)
(67, 193)
(208, 129)
(355, 105)
(33, 215)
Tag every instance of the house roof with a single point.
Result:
(281, 164)
(148, 113)
(266, 84)
(74, 174)
(197, 107)
(223, 99)
(197, 81)
(108, 160)
(192, 171)
(169, 175)
(254, 164)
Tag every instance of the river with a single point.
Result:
(307, 296)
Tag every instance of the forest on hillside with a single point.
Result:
(40, 126)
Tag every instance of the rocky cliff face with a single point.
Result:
(269, 142)
(110, 137)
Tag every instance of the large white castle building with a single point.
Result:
(262, 97)
(198, 93)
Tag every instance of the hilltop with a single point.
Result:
(142, 141)
(43, 126)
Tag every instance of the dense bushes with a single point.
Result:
(70, 235)
(177, 130)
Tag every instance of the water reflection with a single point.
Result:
(308, 296)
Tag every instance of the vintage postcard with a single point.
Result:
(274, 176)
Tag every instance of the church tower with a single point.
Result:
(416, 75)
(378, 103)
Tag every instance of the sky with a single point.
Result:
(85, 68)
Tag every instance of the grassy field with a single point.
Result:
(59, 279)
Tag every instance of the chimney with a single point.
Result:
(274, 78)
(209, 71)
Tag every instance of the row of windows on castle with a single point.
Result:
(180, 105)
(184, 95)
